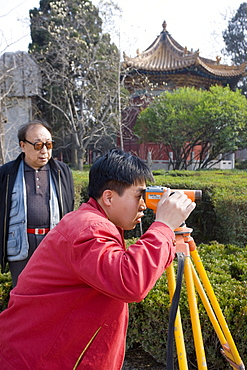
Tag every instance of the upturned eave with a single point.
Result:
(166, 55)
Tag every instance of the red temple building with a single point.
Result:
(166, 65)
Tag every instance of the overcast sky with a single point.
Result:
(193, 23)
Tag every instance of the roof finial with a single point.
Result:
(164, 26)
(218, 59)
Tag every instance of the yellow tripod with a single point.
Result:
(185, 245)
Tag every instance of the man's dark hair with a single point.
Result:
(117, 170)
(24, 128)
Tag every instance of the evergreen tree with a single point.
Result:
(235, 38)
(79, 66)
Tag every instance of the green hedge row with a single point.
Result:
(226, 267)
(5, 287)
(222, 213)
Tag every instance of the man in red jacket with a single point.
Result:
(69, 309)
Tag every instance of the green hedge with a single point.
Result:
(222, 214)
(80, 185)
(227, 271)
(5, 287)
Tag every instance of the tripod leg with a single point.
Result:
(195, 321)
(178, 331)
(210, 312)
(230, 351)
(208, 307)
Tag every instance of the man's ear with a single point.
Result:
(22, 144)
(107, 197)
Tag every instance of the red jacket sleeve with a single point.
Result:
(128, 275)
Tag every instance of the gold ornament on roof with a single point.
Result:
(218, 59)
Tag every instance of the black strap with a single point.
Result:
(173, 312)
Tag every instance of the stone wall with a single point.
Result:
(20, 83)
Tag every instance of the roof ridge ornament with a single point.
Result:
(218, 59)
(165, 59)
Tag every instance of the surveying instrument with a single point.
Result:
(186, 252)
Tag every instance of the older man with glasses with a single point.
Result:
(36, 191)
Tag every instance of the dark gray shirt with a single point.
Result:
(38, 195)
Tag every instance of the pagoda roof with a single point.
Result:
(166, 55)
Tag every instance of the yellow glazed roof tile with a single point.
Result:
(166, 55)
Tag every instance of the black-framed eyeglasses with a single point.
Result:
(38, 145)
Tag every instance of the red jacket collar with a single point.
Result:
(93, 203)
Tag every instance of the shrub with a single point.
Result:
(5, 287)
(80, 185)
(222, 213)
(241, 164)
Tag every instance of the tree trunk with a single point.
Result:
(1, 138)
(80, 154)
(74, 159)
